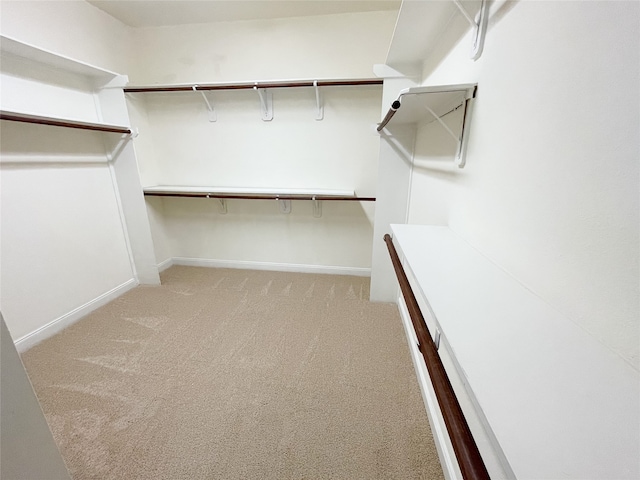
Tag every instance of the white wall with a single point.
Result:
(64, 243)
(550, 189)
(345, 45)
(61, 234)
(179, 146)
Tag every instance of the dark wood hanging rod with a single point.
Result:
(259, 196)
(469, 459)
(40, 120)
(248, 86)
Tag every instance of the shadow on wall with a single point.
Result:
(428, 147)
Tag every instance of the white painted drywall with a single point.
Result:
(61, 233)
(344, 45)
(550, 189)
(75, 29)
(179, 146)
(28, 448)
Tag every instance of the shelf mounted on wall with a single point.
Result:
(283, 196)
(417, 104)
(60, 122)
(262, 88)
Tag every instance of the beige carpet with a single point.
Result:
(236, 374)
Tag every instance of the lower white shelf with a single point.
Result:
(252, 193)
(559, 403)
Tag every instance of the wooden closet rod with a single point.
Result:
(38, 120)
(467, 453)
(259, 196)
(249, 86)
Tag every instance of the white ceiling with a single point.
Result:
(151, 13)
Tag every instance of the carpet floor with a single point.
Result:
(236, 374)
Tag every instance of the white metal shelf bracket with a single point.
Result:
(479, 24)
(317, 208)
(319, 104)
(460, 139)
(444, 125)
(266, 103)
(285, 205)
(223, 205)
(212, 113)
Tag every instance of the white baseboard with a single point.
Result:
(162, 266)
(281, 267)
(29, 340)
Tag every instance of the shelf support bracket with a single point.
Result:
(464, 137)
(285, 205)
(479, 24)
(444, 125)
(223, 206)
(212, 113)
(266, 102)
(319, 104)
(317, 207)
(461, 139)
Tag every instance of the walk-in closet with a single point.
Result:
(320, 239)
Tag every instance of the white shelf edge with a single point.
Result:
(13, 116)
(251, 83)
(463, 87)
(246, 190)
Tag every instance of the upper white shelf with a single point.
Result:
(560, 404)
(261, 87)
(421, 25)
(262, 84)
(45, 57)
(418, 104)
(418, 27)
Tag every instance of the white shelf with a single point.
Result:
(253, 192)
(419, 26)
(62, 122)
(308, 83)
(415, 102)
(560, 404)
(45, 57)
